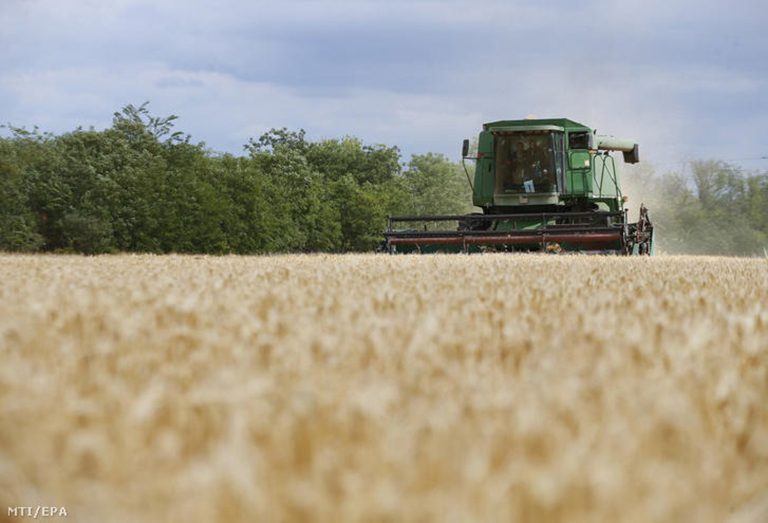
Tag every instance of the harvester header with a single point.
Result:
(543, 185)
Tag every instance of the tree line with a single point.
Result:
(142, 186)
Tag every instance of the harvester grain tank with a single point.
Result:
(544, 185)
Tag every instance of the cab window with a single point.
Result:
(578, 140)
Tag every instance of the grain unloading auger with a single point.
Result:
(543, 185)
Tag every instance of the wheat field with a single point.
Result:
(377, 388)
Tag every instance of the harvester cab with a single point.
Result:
(543, 186)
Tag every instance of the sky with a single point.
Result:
(687, 79)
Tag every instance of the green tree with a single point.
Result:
(18, 230)
(436, 185)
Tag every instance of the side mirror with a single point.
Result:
(591, 141)
(465, 149)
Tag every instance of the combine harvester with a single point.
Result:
(543, 186)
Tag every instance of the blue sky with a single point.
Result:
(688, 79)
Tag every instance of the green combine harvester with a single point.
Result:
(545, 185)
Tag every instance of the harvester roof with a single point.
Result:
(562, 123)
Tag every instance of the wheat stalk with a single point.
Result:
(384, 388)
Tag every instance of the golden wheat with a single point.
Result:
(376, 388)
